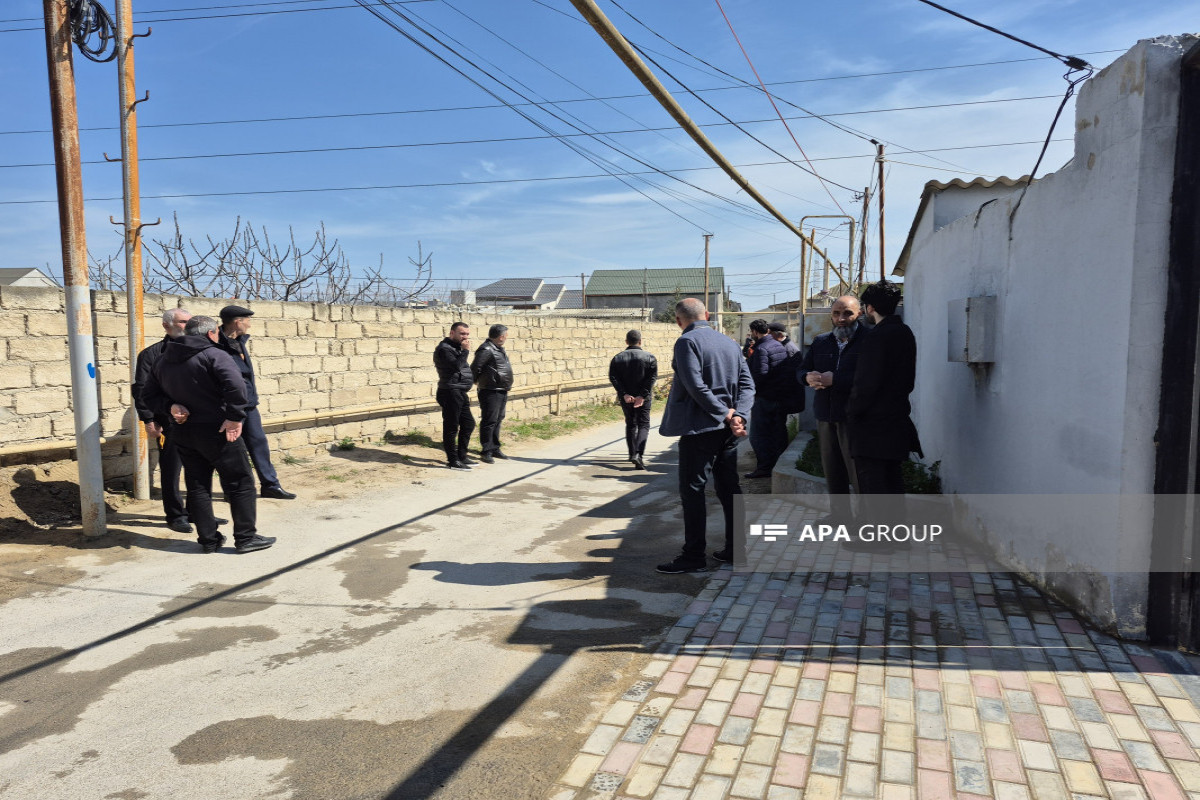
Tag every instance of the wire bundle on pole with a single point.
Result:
(90, 19)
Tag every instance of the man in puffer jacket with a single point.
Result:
(454, 382)
(202, 390)
(493, 378)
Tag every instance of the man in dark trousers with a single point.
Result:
(493, 378)
(158, 426)
(200, 388)
(768, 422)
(632, 372)
(707, 409)
(234, 340)
(455, 380)
(881, 432)
(828, 367)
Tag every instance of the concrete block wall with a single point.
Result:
(309, 357)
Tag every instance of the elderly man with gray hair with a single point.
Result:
(158, 425)
(707, 409)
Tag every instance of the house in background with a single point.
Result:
(22, 276)
(656, 289)
(518, 294)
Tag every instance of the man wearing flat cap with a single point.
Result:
(778, 332)
(234, 339)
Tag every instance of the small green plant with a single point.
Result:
(921, 479)
(810, 459)
(292, 460)
(793, 427)
(338, 478)
(346, 443)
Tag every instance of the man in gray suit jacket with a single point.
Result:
(708, 409)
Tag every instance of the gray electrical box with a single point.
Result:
(971, 330)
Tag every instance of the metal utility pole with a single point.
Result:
(80, 337)
(882, 265)
(803, 279)
(862, 247)
(645, 289)
(583, 289)
(613, 38)
(707, 237)
(133, 231)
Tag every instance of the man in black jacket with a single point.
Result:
(455, 380)
(632, 372)
(881, 432)
(768, 419)
(828, 367)
(201, 389)
(234, 339)
(493, 378)
(158, 426)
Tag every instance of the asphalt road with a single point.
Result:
(452, 639)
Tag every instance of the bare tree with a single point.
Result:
(249, 264)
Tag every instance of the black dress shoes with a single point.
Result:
(257, 543)
(278, 493)
(180, 525)
(213, 547)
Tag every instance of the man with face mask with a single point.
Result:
(828, 367)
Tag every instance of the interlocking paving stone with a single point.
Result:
(802, 685)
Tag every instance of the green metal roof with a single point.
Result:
(689, 281)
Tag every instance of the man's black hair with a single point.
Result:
(633, 337)
(759, 326)
(459, 324)
(883, 296)
(497, 330)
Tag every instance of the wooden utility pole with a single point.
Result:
(80, 336)
(882, 260)
(133, 232)
(862, 252)
(707, 237)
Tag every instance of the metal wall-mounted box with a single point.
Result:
(971, 330)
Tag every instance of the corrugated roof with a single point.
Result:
(571, 298)
(933, 188)
(549, 292)
(509, 289)
(687, 281)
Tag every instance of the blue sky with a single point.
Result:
(521, 207)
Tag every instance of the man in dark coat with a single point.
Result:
(455, 380)
(881, 432)
(234, 339)
(632, 372)
(707, 408)
(158, 426)
(201, 389)
(768, 420)
(828, 367)
(779, 333)
(493, 378)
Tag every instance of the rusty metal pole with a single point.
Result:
(803, 278)
(862, 247)
(707, 237)
(133, 233)
(80, 336)
(583, 289)
(882, 263)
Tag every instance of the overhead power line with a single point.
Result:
(1072, 62)
(497, 181)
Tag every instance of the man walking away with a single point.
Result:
(158, 426)
(829, 367)
(200, 387)
(234, 340)
(632, 372)
(707, 409)
(493, 378)
(454, 381)
(881, 432)
(768, 423)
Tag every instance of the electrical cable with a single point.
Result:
(1072, 62)
(742, 47)
(89, 19)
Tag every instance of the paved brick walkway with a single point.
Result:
(859, 684)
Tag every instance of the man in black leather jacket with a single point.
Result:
(455, 380)
(632, 373)
(493, 378)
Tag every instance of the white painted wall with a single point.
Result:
(1071, 404)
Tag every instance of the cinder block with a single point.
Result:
(16, 376)
(281, 328)
(304, 364)
(48, 349)
(46, 324)
(52, 373)
(41, 401)
(28, 297)
(295, 311)
(349, 330)
(300, 346)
